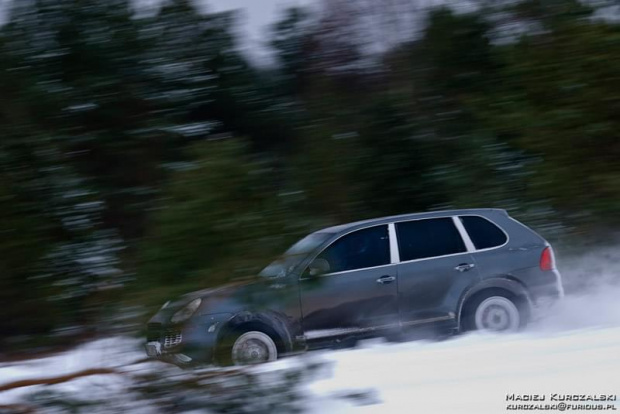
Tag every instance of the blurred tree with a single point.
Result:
(221, 217)
(94, 103)
(292, 40)
(558, 102)
(550, 13)
(117, 152)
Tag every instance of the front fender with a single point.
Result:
(273, 323)
(200, 335)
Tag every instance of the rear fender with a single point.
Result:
(500, 282)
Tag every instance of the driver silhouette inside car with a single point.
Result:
(352, 253)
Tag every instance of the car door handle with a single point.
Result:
(464, 267)
(386, 279)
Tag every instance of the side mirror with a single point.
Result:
(318, 267)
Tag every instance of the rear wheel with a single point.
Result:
(253, 347)
(497, 314)
(494, 312)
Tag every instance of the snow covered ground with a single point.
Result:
(475, 374)
(575, 350)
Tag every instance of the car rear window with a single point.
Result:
(421, 239)
(483, 233)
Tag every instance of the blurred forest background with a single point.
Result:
(144, 155)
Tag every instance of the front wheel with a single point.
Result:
(253, 347)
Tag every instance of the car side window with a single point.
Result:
(420, 239)
(358, 250)
(482, 232)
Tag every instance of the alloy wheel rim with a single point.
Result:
(253, 348)
(497, 314)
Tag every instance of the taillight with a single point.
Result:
(547, 261)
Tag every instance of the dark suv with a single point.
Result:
(449, 271)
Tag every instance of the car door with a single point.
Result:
(435, 269)
(358, 293)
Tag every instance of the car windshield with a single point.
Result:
(294, 255)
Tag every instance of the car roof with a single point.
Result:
(404, 217)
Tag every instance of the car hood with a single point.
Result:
(228, 298)
(221, 291)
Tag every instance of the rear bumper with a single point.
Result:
(542, 286)
(545, 297)
(551, 291)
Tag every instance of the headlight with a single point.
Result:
(186, 312)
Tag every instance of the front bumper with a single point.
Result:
(191, 343)
(154, 350)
